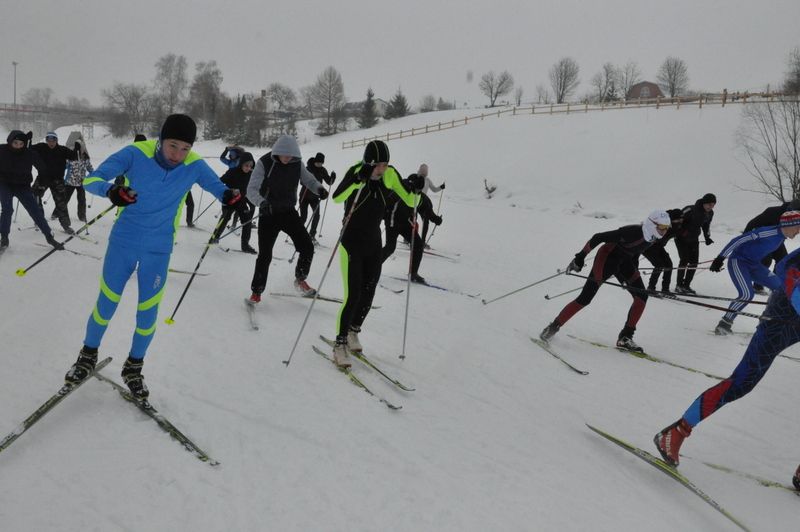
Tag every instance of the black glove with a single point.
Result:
(233, 198)
(77, 147)
(38, 189)
(442, 187)
(437, 220)
(417, 182)
(121, 196)
(333, 177)
(716, 266)
(577, 263)
(709, 241)
(365, 172)
(322, 193)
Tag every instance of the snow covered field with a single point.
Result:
(494, 436)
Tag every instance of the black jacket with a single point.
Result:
(236, 178)
(770, 216)
(55, 161)
(320, 174)
(399, 213)
(16, 165)
(628, 239)
(695, 219)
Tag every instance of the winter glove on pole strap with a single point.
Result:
(365, 172)
(437, 220)
(322, 193)
(233, 198)
(333, 177)
(121, 196)
(577, 263)
(442, 187)
(709, 241)
(716, 266)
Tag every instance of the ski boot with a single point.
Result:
(625, 341)
(55, 243)
(340, 355)
(3, 241)
(723, 328)
(304, 288)
(254, 298)
(133, 378)
(417, 278)
(247, 248)
(83, 367)
(668, 441)
(352, 340)
(549, 331)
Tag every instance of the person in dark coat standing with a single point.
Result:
(399, 222)
(55, 157)
(238, 178)
(696, 219)
(309, 198)
(16, 164)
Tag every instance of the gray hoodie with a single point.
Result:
(281, 190)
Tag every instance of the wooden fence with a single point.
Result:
(720, 99)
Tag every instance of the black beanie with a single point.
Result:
(319, 157)
(245, 157)
(139, 138)
(17, 135)
(709, 198)
(179, 127)
(376, 152)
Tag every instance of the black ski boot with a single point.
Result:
(3, 241)
(625, 340)
(55, 243)
(83, 367)
(549, 331)
(417, 278)
(133, 378)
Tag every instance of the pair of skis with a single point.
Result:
(143, 405)
(358, 382)
(437, 287)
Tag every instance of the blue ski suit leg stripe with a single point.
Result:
(119, 264)
(743, 273)
(152, 278)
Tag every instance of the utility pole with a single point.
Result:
(16, 113)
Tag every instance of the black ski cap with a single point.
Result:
(17, 135)
(319, 157)
(139, 138)
(709, 198)
(179, 127)
(376, 152)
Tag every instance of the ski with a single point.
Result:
(646, 356)
(161, 421)
(670, 472)
(251, 313)
(360, 356)
(46, 407)
(400, 291)
(437, 287)
(228, 250)
(320, 298)
(546, 347)
(185, 272)
(436, 254)
(355, 380)
(767, 483)
(70, 251)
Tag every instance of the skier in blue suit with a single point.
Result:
(744, 254)
(159, 174)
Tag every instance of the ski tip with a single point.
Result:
(169, 321)
(21, 272)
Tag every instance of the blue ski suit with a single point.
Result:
(144, 232)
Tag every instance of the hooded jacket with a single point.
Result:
(320, 173)
(695, 219)
(236, 177)
(273, 185)
(16, 165)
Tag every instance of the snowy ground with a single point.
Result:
(494, 435)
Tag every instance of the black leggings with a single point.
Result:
(661, 261)
(361, 271)
(247, 227)
(391, 243)
(689, 253)
(269, 226)
(306, 201)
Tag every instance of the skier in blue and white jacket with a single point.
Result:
(744, 254)
(158, 175)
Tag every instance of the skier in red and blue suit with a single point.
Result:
(159, 174)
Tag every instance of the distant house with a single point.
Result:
(354, 108)
(644, 90)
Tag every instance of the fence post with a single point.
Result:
(658, 102)
(587, 107)
(533, 109)
(551, 108)
(439, 126)
(514, 111)
(481, 116)
(453, 123)
(679, 103)
(465, 121)
(700, 102)
(567, 107)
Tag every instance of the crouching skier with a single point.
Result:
(159, 175)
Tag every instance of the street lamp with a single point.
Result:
(16, 114)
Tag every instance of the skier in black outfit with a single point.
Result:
(618, 257)
(273, 187)
(238, 178)
(365, 191)
(309, 198)
(696, 218)
(55, 157)
(399, 222)
(771, 216)
(16, 163)
(658, 256)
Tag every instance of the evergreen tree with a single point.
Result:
(398, 106)
(368, 117)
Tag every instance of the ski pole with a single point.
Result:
(22, 271)
(203, 211)
(438, 213)
(291, 260)
(171, 319)
(325, 210)
(16, 213)
(549, 297)
(675, 269)
(324, 274)
(410, 267)
(559, 272)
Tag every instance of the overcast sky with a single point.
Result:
(422, 46)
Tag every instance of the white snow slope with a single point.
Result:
(493, 438)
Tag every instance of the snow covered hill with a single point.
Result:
(494, 436)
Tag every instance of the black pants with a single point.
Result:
(391, 243)
(269, 225)
(689, 253)
(661, 261)
(189, 209)
(59, 192)
(27, 200)
(81, 193)
(247, 227)
(425, 224)
(776, 255)
(310, 200)
(361, 271)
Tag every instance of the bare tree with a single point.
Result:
(327, 96)
(518, 96)
(78, 104)
(564, 78)
(281, 95)
(205, 92)
(542, 94)
(171, 81)
(40, 97)
(770, 139)
(427, 103)
(307, 101)
(792, 83)
(629, 75)
(133, 103)
(673, 76)
(605, 84)
(493, 86)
